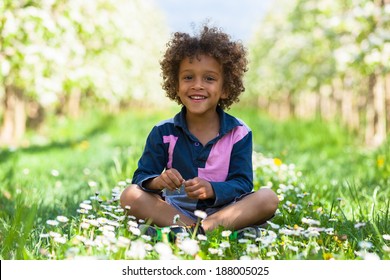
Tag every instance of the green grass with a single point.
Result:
(334, 192)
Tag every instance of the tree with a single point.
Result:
(56, 50)
(334, 52)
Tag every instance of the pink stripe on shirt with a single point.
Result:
(171, 139)
(217, 165)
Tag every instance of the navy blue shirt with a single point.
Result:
(225, 161)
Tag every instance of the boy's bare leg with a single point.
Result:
(253, 209)
(144, 205)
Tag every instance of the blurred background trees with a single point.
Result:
(54, 54)
(326, 59)
(309, 58)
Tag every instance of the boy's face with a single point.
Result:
(200, 84)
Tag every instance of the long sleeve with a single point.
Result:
(153, 160)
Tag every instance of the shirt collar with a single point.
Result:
(227, 122)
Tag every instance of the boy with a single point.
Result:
(202, 158)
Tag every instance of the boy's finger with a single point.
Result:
(175, 177)
(187, 183)
(172, 179)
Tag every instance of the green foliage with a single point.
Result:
(49, 49)
(59, 194)
(303, 45)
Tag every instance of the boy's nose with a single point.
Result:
(198, 84)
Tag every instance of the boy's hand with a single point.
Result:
(170, 179)
(198, 188)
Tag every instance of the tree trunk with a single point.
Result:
(263, 102)
(14, 119)
(387, 101)
(328, 109)
(346, 105)
(370, 112)
(380, 110)
(285, 106)
(73, 106)
(291, 104)
(337, 93)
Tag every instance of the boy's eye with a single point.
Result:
(209, 78)
(187, 77)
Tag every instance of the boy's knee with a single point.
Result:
(270, 198)
(128, 194)
(274, 199)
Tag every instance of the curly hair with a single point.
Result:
(212, 42)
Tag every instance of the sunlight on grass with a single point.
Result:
(59, 196)
(103, 231)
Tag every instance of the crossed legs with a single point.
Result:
(150, 206)
(253, 209)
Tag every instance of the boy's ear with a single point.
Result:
(224, 95)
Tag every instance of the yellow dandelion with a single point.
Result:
(328, 256)
(380, 162)
(82, 145)
(277, 161)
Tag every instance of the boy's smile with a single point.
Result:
(200, 84)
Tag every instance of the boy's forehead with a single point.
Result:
(198, 56)
(206, 62)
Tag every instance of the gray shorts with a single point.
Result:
(209, 211)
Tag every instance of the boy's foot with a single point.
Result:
(157, 233)
(247, 233)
